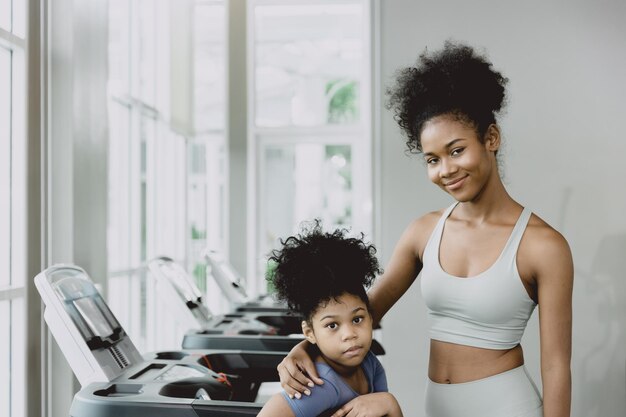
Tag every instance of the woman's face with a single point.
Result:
(456, 159)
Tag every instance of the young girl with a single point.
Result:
(485, 261)
(322, 277)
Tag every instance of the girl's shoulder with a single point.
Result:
(371, 361)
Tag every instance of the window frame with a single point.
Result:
(15, 292)
(259, 138)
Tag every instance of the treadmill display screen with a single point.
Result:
(96, 321)
(87, 309)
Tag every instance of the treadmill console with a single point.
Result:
(231, 285)
(177, 289)
(92, 340)
(227, 279)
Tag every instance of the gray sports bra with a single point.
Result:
(489, 310)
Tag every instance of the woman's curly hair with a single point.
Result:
(315, 266)
(455, 81)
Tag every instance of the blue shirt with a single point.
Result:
(335, 392)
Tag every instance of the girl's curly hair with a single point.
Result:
(315, 266)
(455, 81)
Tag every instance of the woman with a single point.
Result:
(485, 261)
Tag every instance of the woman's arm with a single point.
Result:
(404, 266)
(554, 276)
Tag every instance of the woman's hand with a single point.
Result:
(377, 404)
(297, 371)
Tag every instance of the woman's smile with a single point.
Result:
(455, 184)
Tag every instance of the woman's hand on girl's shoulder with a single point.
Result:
(297, 372)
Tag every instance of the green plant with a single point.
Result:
(343, 105)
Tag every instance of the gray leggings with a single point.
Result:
(509, 394)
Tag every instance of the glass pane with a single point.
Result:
(119, 166)
(197, 210)
(308, 64)
(216, 191)
(303, 182)
(5, 357)
(146, 57)
(5, 167)
(5, 15)
(119, 47)
(19, 18)
(209, 67)
(166, 196)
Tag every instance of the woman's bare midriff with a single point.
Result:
(453, 364)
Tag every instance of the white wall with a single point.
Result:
(563, 157)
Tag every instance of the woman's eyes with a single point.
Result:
(453, 152)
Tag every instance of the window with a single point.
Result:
(166, 152)
(311, 118)
(309, 136)
(12, 203)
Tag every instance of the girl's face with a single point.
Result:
(456, 159)
(342, 330)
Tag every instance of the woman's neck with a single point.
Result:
(492, 201)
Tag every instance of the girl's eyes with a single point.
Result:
(333, 325)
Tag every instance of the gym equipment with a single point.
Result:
(173, 279)
(248, 330)
(231, 284)
(116, 380)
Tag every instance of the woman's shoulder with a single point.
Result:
(417, 233)
(540, 235)
(420, 229)
(426, 222)
(542, 245)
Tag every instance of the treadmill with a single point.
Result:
(231, 284)
(248, 330)
(117, 381)
(178, 290)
